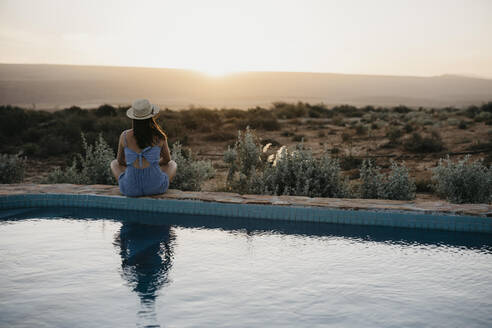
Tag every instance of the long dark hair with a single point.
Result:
(147, 132)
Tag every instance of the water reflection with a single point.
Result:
(470, 240)
(146, 257)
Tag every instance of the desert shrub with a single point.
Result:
(423, 185)
(464, 181)
(453, 122)
(401, 109)
(394, 134)
(173, 128)
(32, 134)
(299, 137)
(76, 110)
(12, 168)
(243, 160)
(462, 125)
(427, 144)
(483, 117)
(348, 111)
(318, 110)
(396, 185)
(371, 180)
(408, 128)
(31, 149)
(233, 113)
(367, 118)
(201, 119)
(487, 107)
(68, 175)
(299, 173)
(191, 173)
(91, 167)
(286, 110)
(96, 162)
(361, 130)
(338, 120)
(13, 120)
(481, 146)
(260, 119)
(350, 162)
(105, 110)
(472, 111)
(54, 145)
(346, 137)
(262, 123)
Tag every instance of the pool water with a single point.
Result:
(68, 268)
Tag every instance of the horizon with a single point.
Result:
(406, 38)
(450, 74)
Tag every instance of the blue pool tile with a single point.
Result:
(272, 212)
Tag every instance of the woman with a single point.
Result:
(143, 165)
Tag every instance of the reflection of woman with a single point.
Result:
(146, 258)
(143, 165)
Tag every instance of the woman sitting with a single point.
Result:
(143, 165)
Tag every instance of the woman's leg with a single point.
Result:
(117, 169)
(170, 169)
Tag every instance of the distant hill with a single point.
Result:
(59, 86)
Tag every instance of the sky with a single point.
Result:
(384, 37)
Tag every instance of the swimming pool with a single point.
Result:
(82, 267)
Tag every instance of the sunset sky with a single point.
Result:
(391, 37)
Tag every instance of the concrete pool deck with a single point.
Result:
(419, 213)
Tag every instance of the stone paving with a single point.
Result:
(418, 205)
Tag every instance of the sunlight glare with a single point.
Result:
(215, 71)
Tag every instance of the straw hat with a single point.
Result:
(142, 109)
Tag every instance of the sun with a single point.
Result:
(216, 71)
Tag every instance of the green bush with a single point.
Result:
(371, 180)
(299, 173)
(105, 110)
(243, 160)
(191, 173)
(13, 120)
(299, 137)
(427, 144)
(348, 111)
(12, 168)
(462, 125)
(463, 181)
(200, 119)
(396, 185)
(423, 185)
(318, 110)
(361, 129)
(69, 175)
(350, 162)
(394, 134)
(286, 110)
(93, 167)
(260, 119)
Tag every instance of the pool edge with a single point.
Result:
(293, 213)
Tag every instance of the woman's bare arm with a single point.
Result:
(121, 151)
(165, 154)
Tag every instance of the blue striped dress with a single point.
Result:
(143, 181)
